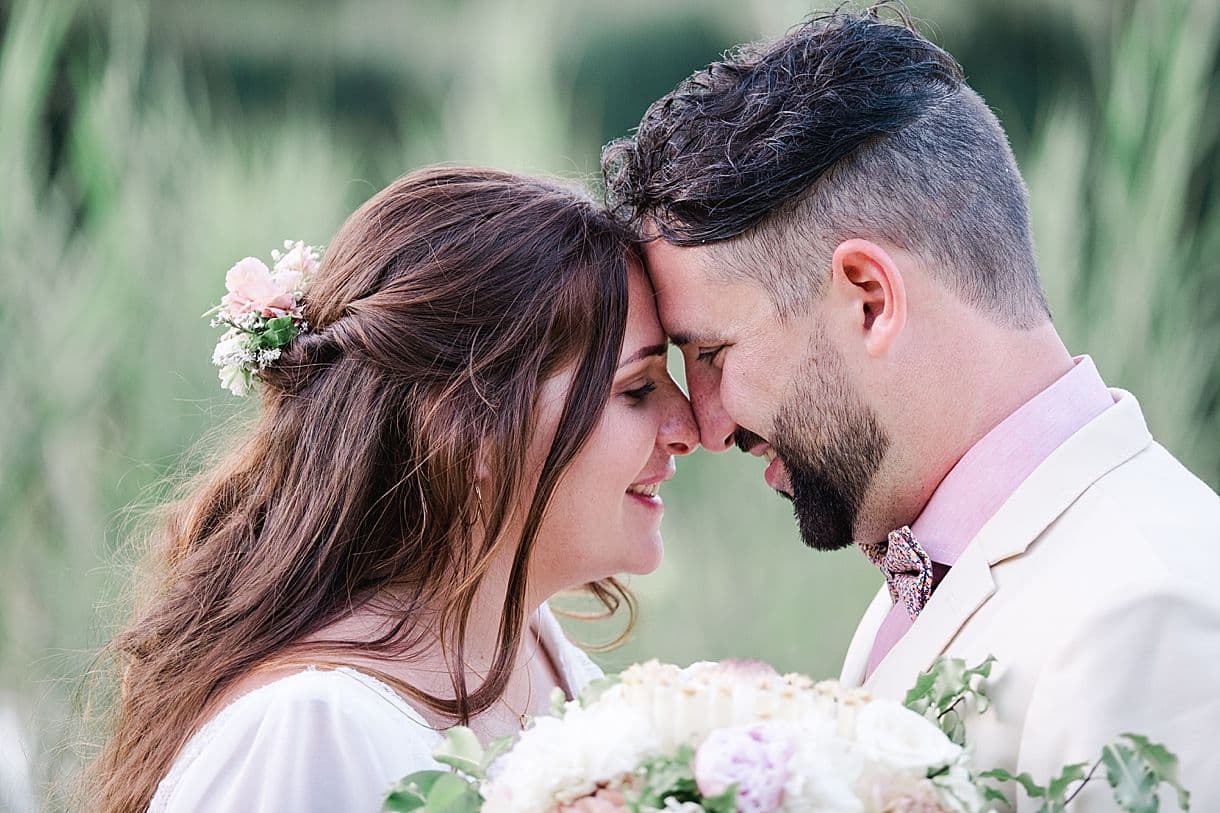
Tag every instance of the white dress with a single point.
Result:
(320, 740)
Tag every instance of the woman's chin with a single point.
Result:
(646, 555)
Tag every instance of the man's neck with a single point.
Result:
(967, 396)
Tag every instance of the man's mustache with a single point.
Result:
(747, 440)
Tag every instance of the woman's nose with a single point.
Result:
(679, 434)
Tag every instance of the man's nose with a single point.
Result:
(716, 428)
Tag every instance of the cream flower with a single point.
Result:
(559, 760)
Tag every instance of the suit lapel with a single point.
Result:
(1111, 439)
(861, 645)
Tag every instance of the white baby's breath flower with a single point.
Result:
(892, 735)
(266, 356)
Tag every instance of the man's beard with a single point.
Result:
(832, 445)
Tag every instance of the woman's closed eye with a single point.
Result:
(640, 393)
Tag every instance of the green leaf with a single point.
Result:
(1032, 788)
(991, 794)
(411, 792)
(939, 693)
(1134, 785)
(596, 688)
(723, 803)
(461, 750)
(453, 794)
(1071, 774)
(954, 727)
(1162, 763)
(666, 777)
(277, 332)
(919, 698)
(494, 749)
(558, 702)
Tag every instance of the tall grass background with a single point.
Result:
(134, 171)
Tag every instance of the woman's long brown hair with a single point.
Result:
(439, 308)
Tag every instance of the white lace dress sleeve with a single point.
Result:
(320, 741)
(310, 742)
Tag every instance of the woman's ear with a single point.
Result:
(866, 280)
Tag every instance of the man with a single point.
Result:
(839, 240)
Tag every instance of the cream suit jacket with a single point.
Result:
(1096, 587)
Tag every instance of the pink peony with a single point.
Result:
(755, 758)
(299, 257)
(253, 288)
(747, 669)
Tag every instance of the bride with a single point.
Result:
(477, 417)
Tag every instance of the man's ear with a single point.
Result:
(865, 277)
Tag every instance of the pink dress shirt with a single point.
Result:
(991, 471)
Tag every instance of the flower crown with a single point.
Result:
(263, 312)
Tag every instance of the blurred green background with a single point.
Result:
(146, 146)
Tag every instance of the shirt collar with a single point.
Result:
(991, 470)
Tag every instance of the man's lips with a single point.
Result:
(776, 474)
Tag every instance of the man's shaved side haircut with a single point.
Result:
(848, 126)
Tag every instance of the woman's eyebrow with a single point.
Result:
(643, 353)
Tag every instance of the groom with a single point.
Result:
(839, 240)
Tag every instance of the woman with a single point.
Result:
(477, 418)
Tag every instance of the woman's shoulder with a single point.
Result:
(331, 739)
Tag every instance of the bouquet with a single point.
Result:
(737, 737)
(715, 737)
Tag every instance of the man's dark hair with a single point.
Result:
(848, 126)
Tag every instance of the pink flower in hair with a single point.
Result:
(254, 288)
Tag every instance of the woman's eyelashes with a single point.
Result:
(640, 393)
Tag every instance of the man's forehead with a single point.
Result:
(687, 300)
(679, 270)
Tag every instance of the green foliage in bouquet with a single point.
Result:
(1135, 767)
(673, 778)
(455, 791)
(940, 693)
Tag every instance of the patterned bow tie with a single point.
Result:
(906, 566)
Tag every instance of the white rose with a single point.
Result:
(823, 773)
(894, 736)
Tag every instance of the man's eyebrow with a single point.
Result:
(643, 353)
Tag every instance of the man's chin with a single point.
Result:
(824, 517)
